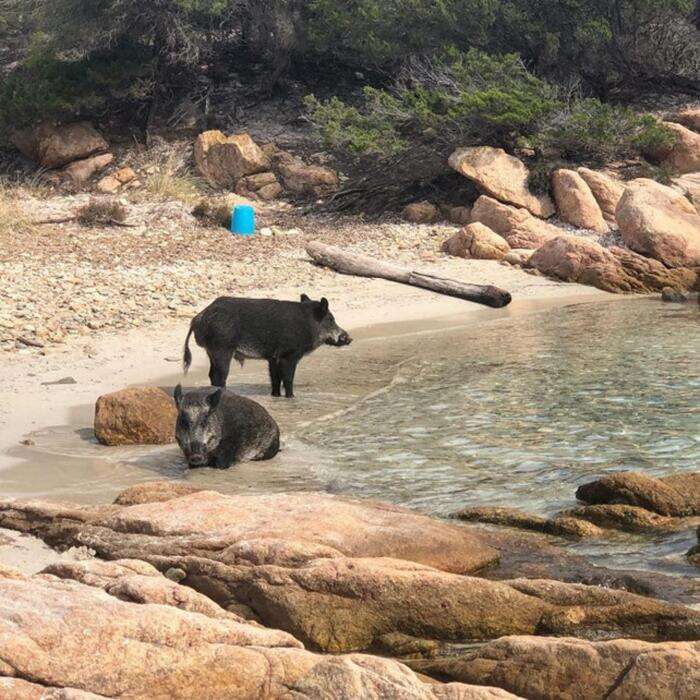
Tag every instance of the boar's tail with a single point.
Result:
(187, 354)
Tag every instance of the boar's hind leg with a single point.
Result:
(275, 376)
(220, 364)
(287, 367)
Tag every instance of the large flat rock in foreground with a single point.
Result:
(267, 528)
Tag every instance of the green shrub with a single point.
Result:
(592, 131)
(457, 100)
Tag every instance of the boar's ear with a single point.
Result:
(213, 399)
(324, 305)
(177, 395)
(305, 299)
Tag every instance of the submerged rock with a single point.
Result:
(675, 495)
(573, 669)
(137, 416)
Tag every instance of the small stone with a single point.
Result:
(27, 442)
(64, 380)
(109, 185)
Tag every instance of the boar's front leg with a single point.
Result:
(219, 366)
(275, 376)
(288, 367)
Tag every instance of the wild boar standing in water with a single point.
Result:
(281, 332)
(217, 428)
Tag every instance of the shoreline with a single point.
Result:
(37, 401)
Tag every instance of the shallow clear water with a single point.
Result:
(516, 411)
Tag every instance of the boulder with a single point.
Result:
(80, 171)
(223, 160)
(108, 185)
(476, 241)
(137, 416)
(462, 216)
(500, 176)
(684, 155)
(607, 191)
(517, 226)
(616, 270)
(80, 640)
(305, 180)
(263, 186)
(677, 495)
(519, 256)
(53, 146)
(421, 213)
(576, 203)
(574, 669)
(125, 175)
(154, 492)
(689, 117)
(689, 185)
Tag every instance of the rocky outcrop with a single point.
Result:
(223, 160)
(137, 416)
(576, 203)
(684, 155)
(677, 495)
(476, 241)
(60, 636)
(606, 190)
(617, 516)
(573, 669)
(421, 213)
(500, 176)
(616, 270)
(53, 146)
(517, 226)
(340, 575)
(659, 222)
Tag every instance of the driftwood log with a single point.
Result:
(364, 266)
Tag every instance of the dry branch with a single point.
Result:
(364, 266)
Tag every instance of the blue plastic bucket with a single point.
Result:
(243, 220)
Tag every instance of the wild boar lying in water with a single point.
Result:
(281, 332)
(217, 428)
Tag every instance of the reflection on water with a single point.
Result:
(515, 412)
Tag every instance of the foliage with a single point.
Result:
(592, 131)
(459, 99)
(13, 218)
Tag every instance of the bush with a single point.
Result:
(213, 212)
(595, 132)
(13, 218)
(101, 212)
(457, 100)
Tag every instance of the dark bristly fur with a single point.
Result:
(281, 332)
(217, 428)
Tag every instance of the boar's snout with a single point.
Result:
(344, 339)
